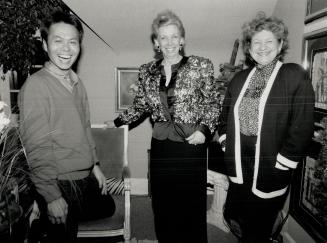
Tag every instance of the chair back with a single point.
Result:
(111, 147)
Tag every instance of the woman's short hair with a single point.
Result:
(58, 17)
(167, 17)
(259, 23)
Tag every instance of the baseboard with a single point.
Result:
(139, 186)
(287, 238)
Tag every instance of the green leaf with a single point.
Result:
(21, 18)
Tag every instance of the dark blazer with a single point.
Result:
(285, 128)
(197, 98)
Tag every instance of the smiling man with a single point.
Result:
(56, 132)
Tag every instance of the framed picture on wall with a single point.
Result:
(315, 62)
(315, 10)
(126, 86)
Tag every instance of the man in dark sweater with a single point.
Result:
(56, 132)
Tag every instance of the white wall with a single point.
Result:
(292, 12)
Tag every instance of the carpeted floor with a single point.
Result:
(142, 228)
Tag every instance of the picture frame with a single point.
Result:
(126, 86)
(315, 63)
(315, 9)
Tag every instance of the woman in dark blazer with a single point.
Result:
(180, 94)
(265, 127)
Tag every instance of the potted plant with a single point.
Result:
(10, 173)
(19, 21)
(15, 185)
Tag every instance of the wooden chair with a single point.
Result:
(112, 152)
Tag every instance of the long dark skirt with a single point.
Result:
(178, 176)
(254, 215)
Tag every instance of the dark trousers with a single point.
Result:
(178, 186)
(85, 202)
(250, 217)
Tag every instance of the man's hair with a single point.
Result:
(61, 17)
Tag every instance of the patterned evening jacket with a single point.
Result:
(198, 100)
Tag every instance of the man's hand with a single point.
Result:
(100, 178)
(57, 211)
(196, 138)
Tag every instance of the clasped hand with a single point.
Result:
(57, 211)
(196, 138)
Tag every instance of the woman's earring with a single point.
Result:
(158, 48)
(180, 46)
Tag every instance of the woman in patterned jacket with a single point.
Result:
(180, 94)
(266, 124)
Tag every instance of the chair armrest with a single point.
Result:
(126, 173)
(126, 177)
(127, 190)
